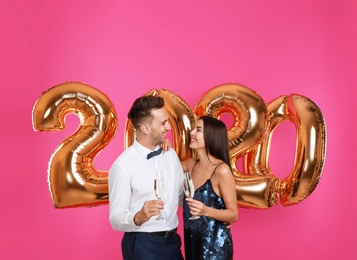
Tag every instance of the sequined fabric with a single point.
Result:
(206, 238)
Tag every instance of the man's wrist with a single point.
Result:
(137, 220)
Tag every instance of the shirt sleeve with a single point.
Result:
(120, 216)
(180, 178)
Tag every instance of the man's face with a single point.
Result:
(159, 126)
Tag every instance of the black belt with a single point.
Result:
(165, 234)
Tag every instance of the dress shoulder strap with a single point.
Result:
(215, 169)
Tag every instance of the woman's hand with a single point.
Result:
(165, 145)
(197, 208)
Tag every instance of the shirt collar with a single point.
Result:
(142, 149)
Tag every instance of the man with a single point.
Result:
(132, 203)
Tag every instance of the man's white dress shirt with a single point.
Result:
(131, 183)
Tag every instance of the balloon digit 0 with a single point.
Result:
(310, 147)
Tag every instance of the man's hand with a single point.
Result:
(228, 224)
(149, 209)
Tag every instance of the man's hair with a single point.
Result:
(141, 109)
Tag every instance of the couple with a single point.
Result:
(133, 207)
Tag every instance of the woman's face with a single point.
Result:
(197, 139)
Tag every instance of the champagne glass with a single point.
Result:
(159, 190)
(189, 189)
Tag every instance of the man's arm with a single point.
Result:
(120, 217)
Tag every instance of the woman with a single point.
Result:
(215, 199)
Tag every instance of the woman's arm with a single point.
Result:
(227, 191)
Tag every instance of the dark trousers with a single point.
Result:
(138, 245)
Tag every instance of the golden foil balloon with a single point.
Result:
(181, 119)
(256, 191)
(250, 123)
(310, 150)
(75, 182)
(248, 110)
(73, 179)
(310, 147)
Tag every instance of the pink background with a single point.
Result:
(125, 48)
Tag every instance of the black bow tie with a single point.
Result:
(154, 153)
